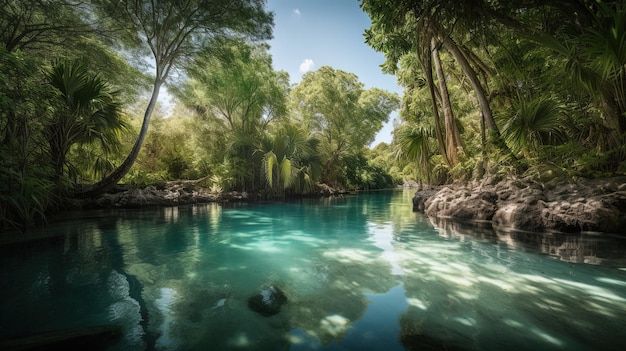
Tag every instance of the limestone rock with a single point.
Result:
(585, 205)
(420, 198)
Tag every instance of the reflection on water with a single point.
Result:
(359, 272)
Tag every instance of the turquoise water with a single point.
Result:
(360, 273)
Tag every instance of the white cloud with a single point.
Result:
(297, 12)
(306, 65)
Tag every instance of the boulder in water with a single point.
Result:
(268, 301)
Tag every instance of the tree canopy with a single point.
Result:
(548, 76)
(342, 114)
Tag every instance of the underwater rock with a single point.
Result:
(268, 301)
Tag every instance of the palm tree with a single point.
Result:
(596, 62)
(88, 112)
(532, 123)
(413, 144)
(291, 160)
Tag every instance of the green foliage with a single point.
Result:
(140, 178)
(234, 84)
(530, 124)
(26, 191)
(560, 103)
(413, 145)
(39, 24)
(234, 93)
(340, 113)
(87, 112)
(360, 175)
(290, 160)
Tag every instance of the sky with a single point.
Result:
(309, 34)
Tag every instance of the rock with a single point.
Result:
(268, 301)
(518, 216)
(585, 205)
(463, 203)
(420, 198)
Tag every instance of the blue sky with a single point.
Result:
(309, 34)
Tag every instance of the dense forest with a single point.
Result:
(531, 88)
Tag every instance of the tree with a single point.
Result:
(343, 116)
(453, 139)
(290, 160)
(66, 30)
(471, 32)
(174, 31)
(235, 91)
(88, 111)
(234, 83)
(25, 187)
(420, 28)
(40, 24)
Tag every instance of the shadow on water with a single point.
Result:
(487, 290)
(358, 272)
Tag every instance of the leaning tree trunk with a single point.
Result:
(453, 138)
(112, 179)
(481, 95)
(474, 81)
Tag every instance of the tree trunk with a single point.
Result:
(453, 138)
(476, 85)
(480, 95)
(112, 179)
(428, 70)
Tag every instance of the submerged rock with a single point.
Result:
(268, 301)
(586, 205)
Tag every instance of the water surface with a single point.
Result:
(360, 273)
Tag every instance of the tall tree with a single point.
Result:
(421, 27)
(233, 87)
(343, 115)
(453, 138)
(174, 31)
(234, 83)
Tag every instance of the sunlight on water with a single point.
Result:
(164, 304)
(357, 273)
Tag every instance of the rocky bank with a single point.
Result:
(170, 195)
(176, 193)
(524, 204)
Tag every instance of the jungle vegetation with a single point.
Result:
(532, 88)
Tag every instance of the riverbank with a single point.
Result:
(585, 205)
(177, 193)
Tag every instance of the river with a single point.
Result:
(360, 272)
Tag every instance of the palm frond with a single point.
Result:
(269, 162)
(532, 123)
